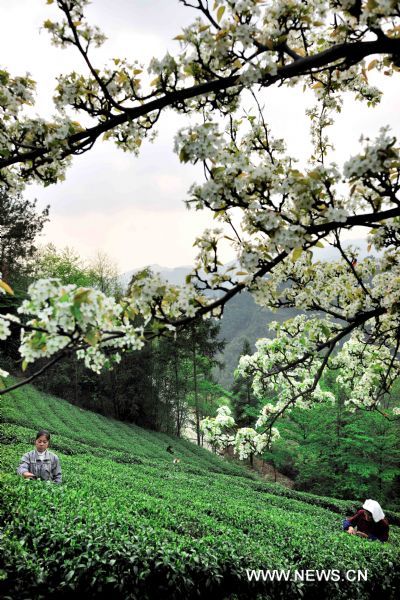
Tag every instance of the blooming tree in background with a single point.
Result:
(272, 213)
(221, 432)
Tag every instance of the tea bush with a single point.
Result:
(129, 522)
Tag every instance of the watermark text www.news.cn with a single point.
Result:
(306, 575)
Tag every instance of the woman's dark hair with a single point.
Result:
(43, 432)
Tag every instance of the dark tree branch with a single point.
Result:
(364, 220)
(352, 53)
(220, 302)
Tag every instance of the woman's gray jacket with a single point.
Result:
(48, 469)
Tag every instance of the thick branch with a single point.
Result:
(350, 52)
(366, 220)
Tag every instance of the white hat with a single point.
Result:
(375, 508)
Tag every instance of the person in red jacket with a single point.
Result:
(369, 522)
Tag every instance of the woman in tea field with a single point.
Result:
(370, 522)
(40, 463)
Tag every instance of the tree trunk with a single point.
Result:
(76, 397)
(196, 395)
(177, 395)
(114, 388)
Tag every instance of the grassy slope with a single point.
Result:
(128, 521)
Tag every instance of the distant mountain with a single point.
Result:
(175, 275)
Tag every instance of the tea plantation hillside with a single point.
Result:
(128, 523)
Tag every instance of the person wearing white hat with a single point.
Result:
(369, 522)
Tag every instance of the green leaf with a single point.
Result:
(39, 340)
(297, 252)
(220, 13)
(131, 312)
(81, 297)
(183, 155)
(216, 170)
(92, 337)
(325, 330)
(76, 312)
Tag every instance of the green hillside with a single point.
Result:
(244, 320)
(128, 522)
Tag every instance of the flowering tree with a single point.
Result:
(288, 370)
(234, 47)
(221, 432)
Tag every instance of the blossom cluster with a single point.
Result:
(218, 430)
(379, 157)
(66, 318)
(60, 32)
(249, 442)
(287, 368)
(15, 93)
(364, 372)
(150, 296)
(221, 431)
(279, 205)
(292, 350)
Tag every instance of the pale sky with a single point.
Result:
(132, 208)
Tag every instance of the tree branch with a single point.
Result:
(351, 52)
